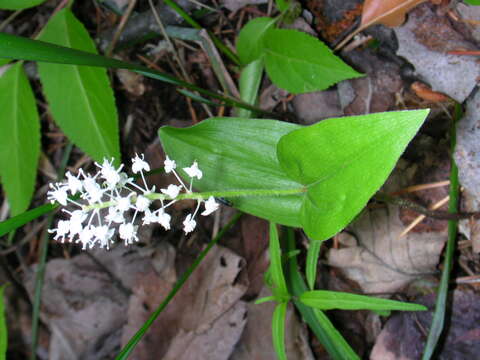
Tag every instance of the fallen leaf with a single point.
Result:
(375, 257)
(204, 321)
(387, 12)
(425, 40)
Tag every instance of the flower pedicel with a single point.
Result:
(110, 193)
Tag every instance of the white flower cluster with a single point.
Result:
(109, 194)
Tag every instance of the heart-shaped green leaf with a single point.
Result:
(328, 300)
(238, 154)
(343, 162)
(300, 63)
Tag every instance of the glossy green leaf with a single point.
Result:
(250, 39)
(278, 330)
(3, 327)
(276, 269)
(238, 154)
(80, 98)
(4, 61)
(19, 4)
(343, 162)
(328, 300)
(312, 261)
(300, 63)
(473, 2)
(19, 138)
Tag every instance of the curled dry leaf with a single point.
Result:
(386, 12)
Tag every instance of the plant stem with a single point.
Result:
(206, 195)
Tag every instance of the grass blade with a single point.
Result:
(125, 352)
(321, 326)
(3, 327)
(312, 260)
(278, 330)
(20, 48)
(440, 306)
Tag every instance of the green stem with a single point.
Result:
(205, 195)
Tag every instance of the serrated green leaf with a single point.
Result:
(300, 63)
(80, 98)
(276, 269)
(19, 138)
(19, 4)
(278, 330)
(343, 162)
(250, 39)
(238, 154)
(328, 300)
(3, 327)
(312, 261)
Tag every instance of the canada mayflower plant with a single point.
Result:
(104, 199)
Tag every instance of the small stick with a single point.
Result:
(121, 26)
(420, 218)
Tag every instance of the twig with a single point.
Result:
(9, 19)
(120, 27)
(440, 215)
(420, 218)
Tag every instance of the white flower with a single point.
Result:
(189, 224)
(194, 171)
(63, 228)
(74, 183)
(103, 234)
(76, 220)
(149, 217)
(85, 237)
(210, 206)
(109, 173)
(58, 194)
(139, 164)
(94, 192)
(123, 203)
(172, 191)
(169, 164)
(142, 203)
(128, 232)
(115, 216)
(164, 219)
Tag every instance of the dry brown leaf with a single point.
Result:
(387, 12)
(380, 261)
